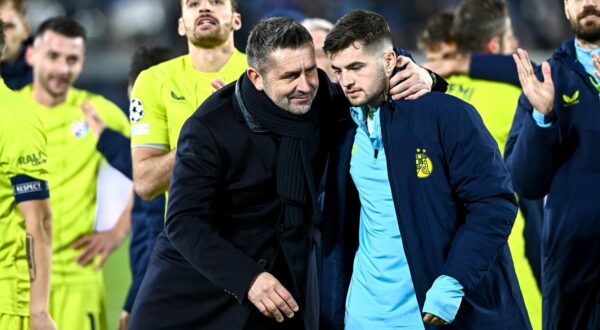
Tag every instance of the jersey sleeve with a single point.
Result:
(23, 158)
(147, 113)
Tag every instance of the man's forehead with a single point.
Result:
(8, 12)
(60, 43)
(289, 59)
(304, 52)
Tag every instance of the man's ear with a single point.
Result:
(493, 45)
(237, 21)
(256, 78)
(390, 62)
(567, 11)
(181, 27)
(29, 55)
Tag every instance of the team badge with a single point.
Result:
(79, 128)
(571, 100)
(424, 164)
(136, 110)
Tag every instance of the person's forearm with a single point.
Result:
(39, 258)
(151, 176)
(123, 225)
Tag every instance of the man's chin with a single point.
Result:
(299, 110)
(204, 41)
(357, 102)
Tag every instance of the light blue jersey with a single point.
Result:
(381, 294)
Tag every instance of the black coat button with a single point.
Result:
(263, 263)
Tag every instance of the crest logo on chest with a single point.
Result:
(79, 128)
(424, 164)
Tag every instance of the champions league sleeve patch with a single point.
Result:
(136, 110)
(27, 188)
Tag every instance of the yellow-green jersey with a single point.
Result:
(497, 103)
(73, 164)
(23, 177)
(166, 95)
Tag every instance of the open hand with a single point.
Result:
(540, 94)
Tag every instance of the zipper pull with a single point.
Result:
(376, 153)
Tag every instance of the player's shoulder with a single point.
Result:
(438, 101)
(168, 68)
(78, 96)
(218, 107)
(16, 106)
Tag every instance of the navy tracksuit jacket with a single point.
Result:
(563, 162)
(454, 222)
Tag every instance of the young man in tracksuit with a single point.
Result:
(557, 154)
(432, 239)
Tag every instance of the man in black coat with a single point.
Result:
(238, 250)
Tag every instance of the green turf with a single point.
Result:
(117, 278)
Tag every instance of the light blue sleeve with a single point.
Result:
(538, 117)
(444, 298)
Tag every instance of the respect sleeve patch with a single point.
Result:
(26, 188)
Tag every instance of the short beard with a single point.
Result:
(212, 41)
(589, 34)
(380, 90)
(208, 42)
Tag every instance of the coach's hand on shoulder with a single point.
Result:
(411, 82)
(271, 298)
(540, 94)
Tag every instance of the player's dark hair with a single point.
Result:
(62, 25)
(477, 21)
(2, 38)
(438, 29)
(19, 5)
(272, 34)
(365, 27)
(146, 57)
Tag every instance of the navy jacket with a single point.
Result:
(455, 222)
(223, 223)
(18, 74)
(563, 162)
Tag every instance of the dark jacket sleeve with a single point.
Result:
(116, 148)
(482, 183)
(197, 174)
(532, 153)
(520, 115)
(501, 68)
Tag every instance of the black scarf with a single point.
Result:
(298, 134)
